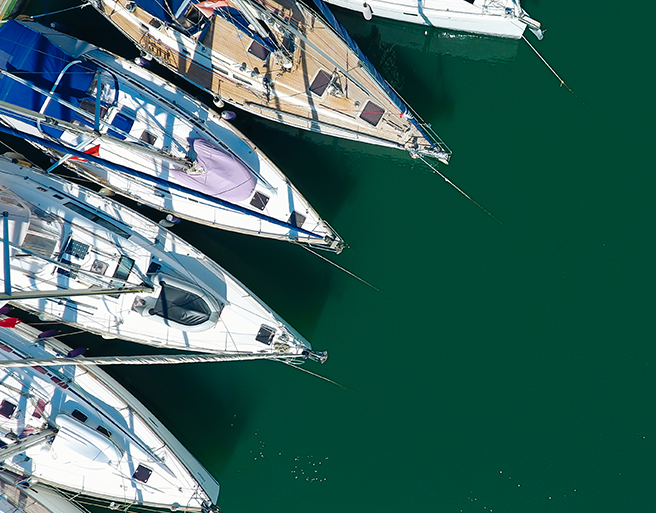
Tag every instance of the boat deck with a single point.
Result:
(231, 61)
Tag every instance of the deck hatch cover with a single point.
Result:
(142, 474)
(148, 138)
(265, 335)
(7, 409)
(77, 414)
(259, 200)
(296, 219)
(104, 431)
(259, 50)
(372, 113)
(320, 82)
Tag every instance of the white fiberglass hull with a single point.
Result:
(305, 76)
(102, 442)
(148, 126)
(500, 19)
(174, 297)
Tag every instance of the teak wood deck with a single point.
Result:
(230, 63)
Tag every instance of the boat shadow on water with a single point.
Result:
(426, 40)
(412, 58)
(215, 399)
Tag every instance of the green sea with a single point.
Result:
(502, 357)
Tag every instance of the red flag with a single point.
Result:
(94, 151)
(9, 322)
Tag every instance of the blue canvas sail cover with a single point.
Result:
(32, 57)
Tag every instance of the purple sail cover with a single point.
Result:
(225, 177)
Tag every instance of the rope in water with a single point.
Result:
(446, 179)
(315, 374)
(562, 82)
(341, 268)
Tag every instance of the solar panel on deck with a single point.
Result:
(76, 248)
(320, 82)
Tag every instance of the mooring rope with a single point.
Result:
(62, 10)
(341, 268)
(562, 82)
(446, 179)
(315, 374)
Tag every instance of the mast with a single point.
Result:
(5, 252)
(145, 359)
(21, 445)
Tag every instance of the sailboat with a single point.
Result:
(503, 18)
(123, 127)
(77, 429)
(73, 256)
(277, 59)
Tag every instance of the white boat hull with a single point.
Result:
(176, 297)
(92, 415)
(172, 178)
(456, 15)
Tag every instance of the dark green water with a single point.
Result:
(504, 366)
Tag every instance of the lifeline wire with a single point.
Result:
(63, 10)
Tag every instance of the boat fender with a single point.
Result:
(142, 62)
(105, 191)
(59, 27)
(367, 12)
(228, 115)
(169, 221)
(218, 101)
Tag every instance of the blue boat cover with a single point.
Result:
(31, 56)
